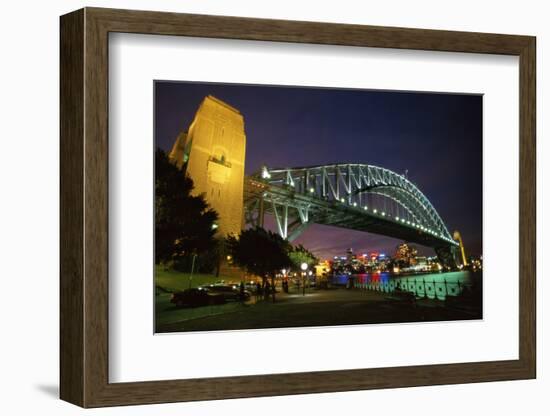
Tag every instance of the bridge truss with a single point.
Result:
(355, 196)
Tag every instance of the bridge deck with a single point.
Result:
(336, 213)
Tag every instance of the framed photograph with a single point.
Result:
(256, 207)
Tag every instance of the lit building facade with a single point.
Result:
(212, 153)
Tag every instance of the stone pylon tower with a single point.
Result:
(212, 153)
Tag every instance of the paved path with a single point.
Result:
(319, 308)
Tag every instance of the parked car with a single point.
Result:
(251, 287)
(194, 297)
(229, 292)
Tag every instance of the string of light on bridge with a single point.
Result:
(400, 220)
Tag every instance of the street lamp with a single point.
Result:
(303, 266)
(192, 269)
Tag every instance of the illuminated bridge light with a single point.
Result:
(365, 207)
(396, 218)
(383, 214)
(342, 200)
(402, 219)
(375, 210)
(408, 223)
(355, 204)
(265, 174)
(311, 190)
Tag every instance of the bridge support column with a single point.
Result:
(261, 212)
(281, 222)
(295, 233)
(448, 256)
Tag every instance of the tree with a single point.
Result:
(299, 254)
(184, 223)
(207, 261)
(261, 252)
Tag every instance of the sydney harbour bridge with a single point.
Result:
(353, 196)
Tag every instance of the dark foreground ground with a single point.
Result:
(317, 308)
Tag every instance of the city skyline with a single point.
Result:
(433, 139)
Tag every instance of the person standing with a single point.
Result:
(267, 290)
(258, 291)
(241, 291)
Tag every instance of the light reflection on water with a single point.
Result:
(431, 285)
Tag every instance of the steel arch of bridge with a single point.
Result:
(337, 195)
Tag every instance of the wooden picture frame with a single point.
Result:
(84, 207)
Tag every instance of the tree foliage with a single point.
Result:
(183, 222)
(299, 254)
(261, 252)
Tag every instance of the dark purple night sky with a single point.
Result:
(437, 138)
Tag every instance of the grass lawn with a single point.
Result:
(174, 281)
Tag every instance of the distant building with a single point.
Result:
(405, 255)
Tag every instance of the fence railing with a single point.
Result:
(420, 287)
